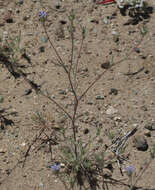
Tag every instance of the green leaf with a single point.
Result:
(144, 30)
(153, 151)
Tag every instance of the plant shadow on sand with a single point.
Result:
(137, 15)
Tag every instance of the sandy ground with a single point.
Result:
(124, 97)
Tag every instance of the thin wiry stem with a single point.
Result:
(56, 52)
(142, 172)
(113, 64)
(47, 96)
(72, 39)
(61, 62)
(58, 105)
(74, 127)
(73, 117)
(77, 63)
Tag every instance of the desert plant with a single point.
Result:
(77, 157)
(82, 162)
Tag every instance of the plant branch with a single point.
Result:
(56, 52)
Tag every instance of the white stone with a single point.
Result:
(111, 110)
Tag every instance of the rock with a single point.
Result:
(42, 49)
(4, 36)
(2, 150)
(100, 97)
(144, 108)
(105, 20)
(57, 6)
(146, 71)
(63, 92)
(147, 133)
(111, 110)
(140, 143)
(86, 131)
(25, 18)
(115, 36)
(117, 119)
(8, 17)
(44, 39)
(62, 165)
(90, 103)
(149, 126)
(137, 50)
(94, 20)
(2, 23)
(23, 144)
(113, 91)
(107, 173)
(63, 21)
(52, 97)
(105, 65)
(27, 92)
(20, 2)
(135, 125)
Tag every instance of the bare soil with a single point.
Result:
(128, 86)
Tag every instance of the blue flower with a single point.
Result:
(55, 167)
(42, 14)
(129, 170)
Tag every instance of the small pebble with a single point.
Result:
(98, 97)
(27, 92)
(147, 133)
(44, 39)
(9, 20)
(93, 20)
(86, 131)
(20, 2)
(90, 103)
(137, 50)
(146, 72)
(149, 127)
(107, 173)
(52, 97)
(143, 57)
(2, 150)
(63, 21)
(62, 165)
(105, 65)
(144, 108)
(111, 111)
(105, 20)
(115, 36)
(25, 18)
(62, 92)
(140, 143)
(58, 6)
(42, 49)
(117, 119)
(113, 91)
(23, 144)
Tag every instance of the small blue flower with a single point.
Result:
(129, 170)
(55, 167)
(42, 14)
